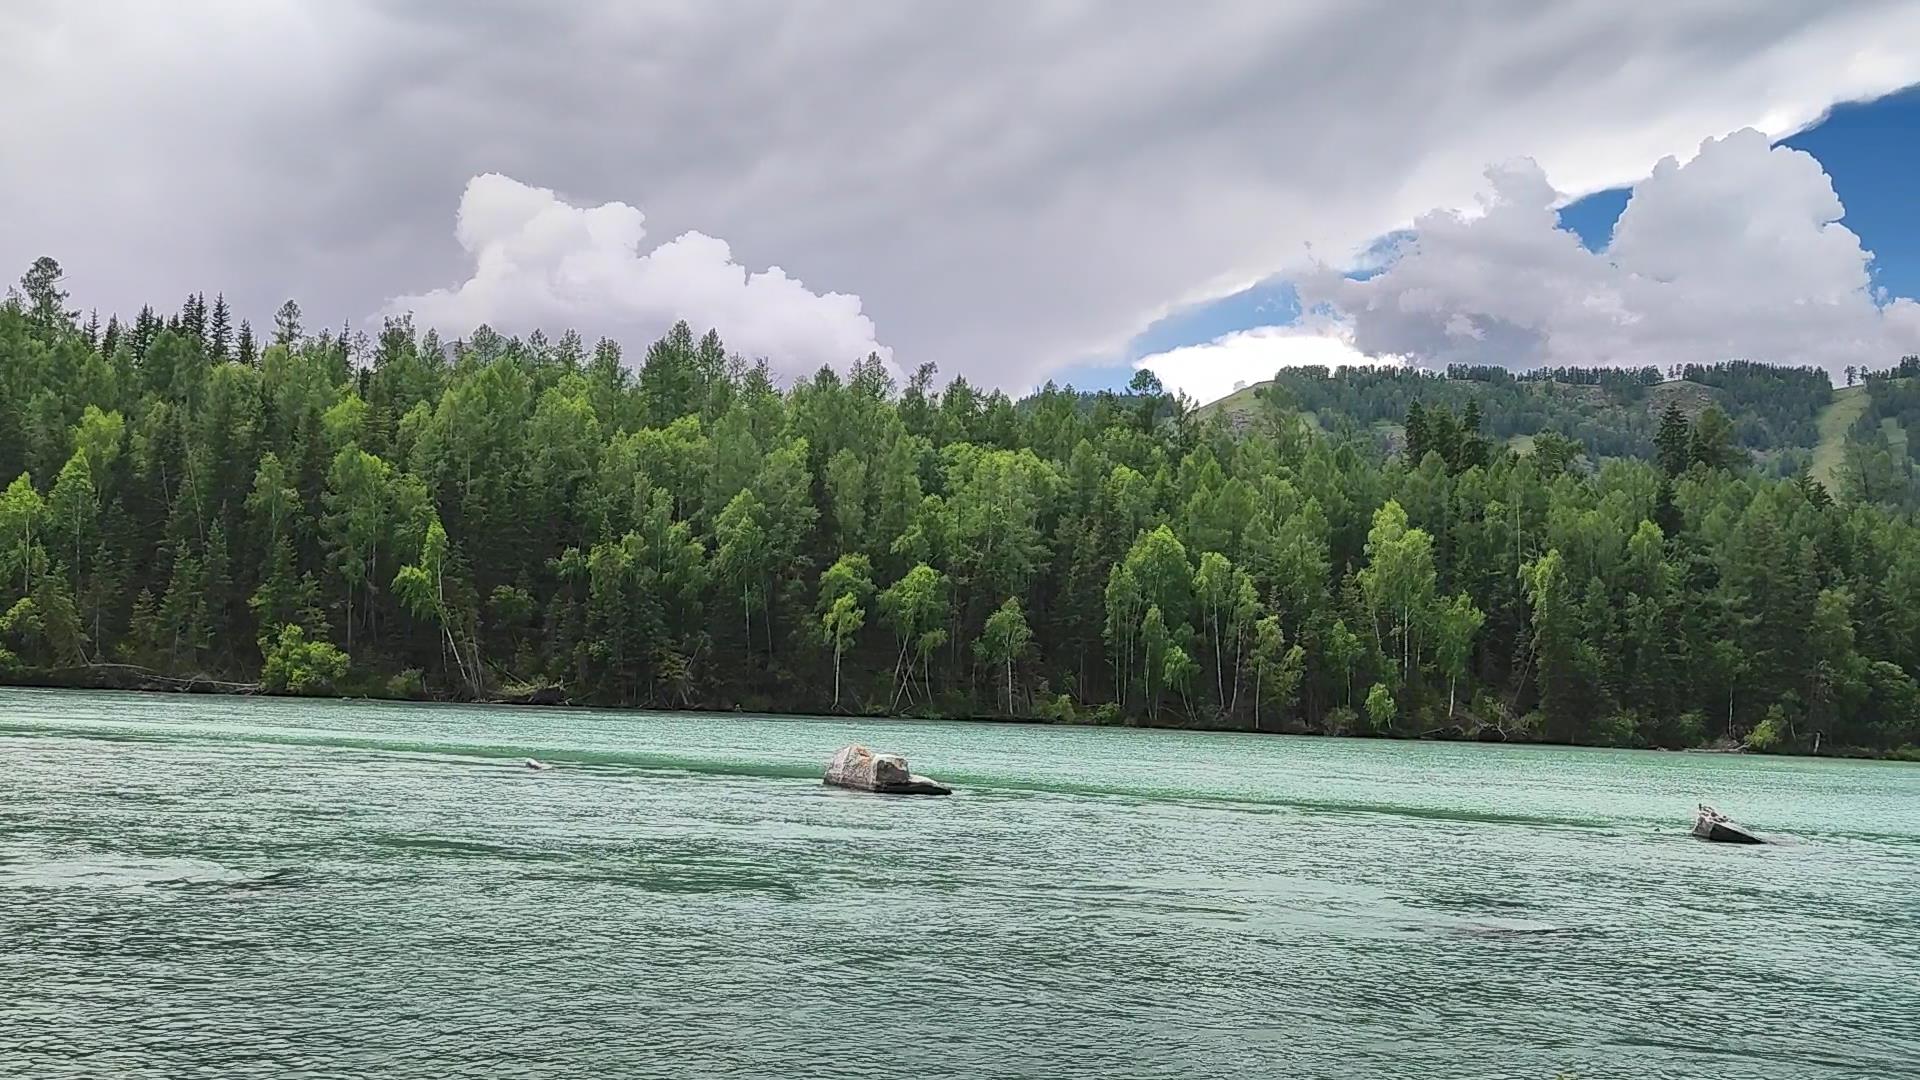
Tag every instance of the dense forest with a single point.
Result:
(1611, 412)
(1882, 457)
(510, 518)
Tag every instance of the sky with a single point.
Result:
(1061, 189)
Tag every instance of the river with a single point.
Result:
(231, 887)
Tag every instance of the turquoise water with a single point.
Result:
(230, 887)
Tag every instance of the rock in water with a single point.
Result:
(861, 769)
(1711, 824)
(537, 765)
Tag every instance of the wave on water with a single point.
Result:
(106, 870)
(1000, 783)
(573, 757)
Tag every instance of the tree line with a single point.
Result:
(508, 517)
(1609, 411)
(1881, 459)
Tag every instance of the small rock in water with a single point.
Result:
(861, 769)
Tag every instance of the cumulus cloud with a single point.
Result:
(1737, 254)
(541, 262)
(1212, 370)
(1036, 183)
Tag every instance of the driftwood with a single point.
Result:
(548, 694)
(135, 677)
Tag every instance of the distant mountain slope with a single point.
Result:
(1836, 421)
(1775, 411)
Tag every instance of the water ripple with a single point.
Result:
(207, 887)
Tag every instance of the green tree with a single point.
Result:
(22, 513)
(1398, 583)
(844, 589)
(1455, 622)
(1381, 708)
(1713, 439)
(1005, 641)
(423, 589)
(1675, 441)
(295, 665)
(838, 624)
(914, 606)
(744, 559)
(73, 516)
(46, 301)
(358, 499)
(1277, 667)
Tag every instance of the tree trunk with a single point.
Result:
(1009, 684)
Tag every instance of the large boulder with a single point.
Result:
(861, 769)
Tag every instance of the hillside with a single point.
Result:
(1836, 420)
(1610, 412)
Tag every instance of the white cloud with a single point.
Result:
(1738, 254)
(541, 262)
(1219, 367)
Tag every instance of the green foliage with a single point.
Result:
(1712, 443)
(408, 685)
(295, 665)
(1004, 641)
(1772, 733)
(506, 512)
(1381, 708)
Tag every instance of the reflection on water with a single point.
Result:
(242, 888)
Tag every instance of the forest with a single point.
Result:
(1612, 412)
(310, 511)
(1882, 457)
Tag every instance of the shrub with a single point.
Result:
(1058, 708)
(410, 685)
(295, 665)
(1771, 732)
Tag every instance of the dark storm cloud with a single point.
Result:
(1004, 186)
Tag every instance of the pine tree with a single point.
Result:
(245, 351)
(219, 331)
(193, 320)
(1675, 441)
(46, 300)
(145, 327)
(1416, 425)
(1712, 444)
(1474, 451)
(286, 325)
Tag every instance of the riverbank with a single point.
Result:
(125, 678)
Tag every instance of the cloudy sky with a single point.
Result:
(1015, 191)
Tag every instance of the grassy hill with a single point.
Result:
(1836, 420)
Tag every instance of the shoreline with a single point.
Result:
(201, 686)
